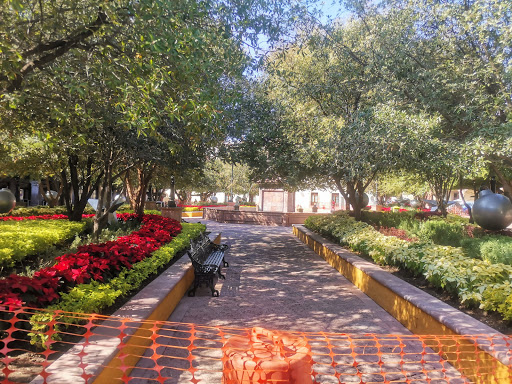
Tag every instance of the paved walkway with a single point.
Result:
(276, 282)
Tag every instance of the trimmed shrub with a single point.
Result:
(191, 209)
(441, 232)
(497, 250)
(43, 210)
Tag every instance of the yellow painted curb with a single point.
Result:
(478, 365)
(192, 214)
(137, 344)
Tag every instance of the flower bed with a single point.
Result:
(95, 296)
(22, 238)
(475, 282)
(99, 262)
(40, 217)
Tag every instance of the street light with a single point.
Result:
(231, 189)
(493, 184)
(172, 203)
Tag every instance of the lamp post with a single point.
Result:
(172, 203)
(231, 186)
(493, 184)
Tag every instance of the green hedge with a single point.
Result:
(475, 282)
(19, 239)
(127, 209)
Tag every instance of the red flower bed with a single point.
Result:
(40, 217)
(98, 262)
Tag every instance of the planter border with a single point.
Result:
(420, 312)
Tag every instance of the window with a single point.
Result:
(455, 195)
(314, 198)
(335, 200)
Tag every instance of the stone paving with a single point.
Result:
(277, 282)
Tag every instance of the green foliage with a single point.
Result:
(126, 209)
(401, 220)
(19, 239)
(441, 232)
(191, 209)
(497, 250)
(451, 231)
(494, 249)
(475, 282)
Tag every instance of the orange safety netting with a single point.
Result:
(82, 348)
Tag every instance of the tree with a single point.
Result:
(323, 93)
(449, 59)
(80, 74)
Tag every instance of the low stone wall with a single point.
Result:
(228, 215)
(173, 213)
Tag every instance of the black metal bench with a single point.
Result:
(208, 260)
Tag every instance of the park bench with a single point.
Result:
(207, 259)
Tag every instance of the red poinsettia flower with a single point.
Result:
(93, 261)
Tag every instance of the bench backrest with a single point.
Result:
(201, 249)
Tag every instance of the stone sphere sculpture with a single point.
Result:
(493, 211)
(366, 199)
(7, 201)
(214, 199)
(485, 192)
(50, 195)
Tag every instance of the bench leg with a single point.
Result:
(215, 293)
(192, 291)
(199, 279)
(208, 280)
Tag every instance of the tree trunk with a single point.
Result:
(52, 201)
(349, 194)
(506, 184)
(137, 191)
(183, 196)
(104, 201)
(74, 200)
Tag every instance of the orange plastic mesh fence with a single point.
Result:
(100, 349)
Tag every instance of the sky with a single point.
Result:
(330, 10)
